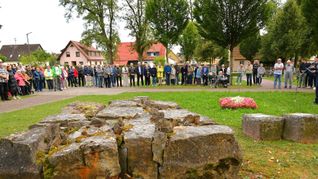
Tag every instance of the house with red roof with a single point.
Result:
(126, 53)
(76, 53)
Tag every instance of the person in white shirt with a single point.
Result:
(278, 71)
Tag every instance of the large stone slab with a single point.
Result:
(263, 127)
(301, 127)
(201, 152)
(138, 142)
(120, 113)
(184, 117)
(162, 105)
(124, 103)
(18, 153)
(89, 109)
(67, 120)
(94, 157)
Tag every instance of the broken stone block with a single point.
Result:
(300, 127)
(89, 109)
(141, 99)
(206, 121)
(120, 113)
(138, 142)
(201, 152)
(123, 103)
(162, 105)
(263, 127)
(181, 116)
(158, 145)
(94, 157)
(67, 120)
(19, 153)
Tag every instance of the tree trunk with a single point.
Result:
(140, 57)
(167, 54)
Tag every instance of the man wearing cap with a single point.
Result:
(314, 70)
(4, 76)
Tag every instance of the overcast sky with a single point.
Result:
(45, 19)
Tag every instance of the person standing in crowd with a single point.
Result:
(75, 79)
(173, 75)
(29, 72)
(71, 82)
(314, 69)
(37, 79)
(12, 83)
(81, 76)
(190, 75)
(99, 74)
(132, 73)
(278, 71)
(153, 73)
(64, 78)
(147, 75)
(249, 73)
(107, 76)
(177, 74)
(94, 76)
(86, 76)
(57, 73)
(21, 82)
(240, 75)
(205, 74)
(160, 73)
(255, 67)
(140, 74)
(184, 73)
(167, 72)
(119, 76)
(288, 74)
(125, 72)
(49, 77)
(302, 74)
(260, 73)
(42, 77)
(228, 74)
(311, 76)
(198, 75)
(4, 77)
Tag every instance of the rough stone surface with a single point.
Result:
(205, 151)
(94, 157)
(137, 138)
(120, 112)
(89, 109)
(162, 105)
(124, 103)
(263, 127)
(138, 142)
(301, 128)
(18, 153)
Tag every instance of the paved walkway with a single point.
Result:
(48, 97)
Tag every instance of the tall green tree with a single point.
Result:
(250, 46)
(38, 57)
(288, 33)
(138, 25)
(3, 58)
(209, 51)
(228, 22)
(99, 17)
(309, 9)
(167, 18)
(189, 40)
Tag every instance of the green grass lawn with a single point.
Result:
(276, 159)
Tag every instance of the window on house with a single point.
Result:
(153, 54)
(78, 54)
(68, 54)
(81, 63)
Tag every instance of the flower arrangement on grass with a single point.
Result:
(237, 102)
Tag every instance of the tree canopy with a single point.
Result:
(250, 46)
(189, 40)
(309, 9)
(38, 57)
(138, 25)
(167, 18)
(99, 17)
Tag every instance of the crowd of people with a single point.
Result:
(17, 80)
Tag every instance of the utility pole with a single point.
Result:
(27, 35)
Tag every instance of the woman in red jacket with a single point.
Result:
(75, 75)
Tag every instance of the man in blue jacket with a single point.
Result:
(167, 71)
(205, 74)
